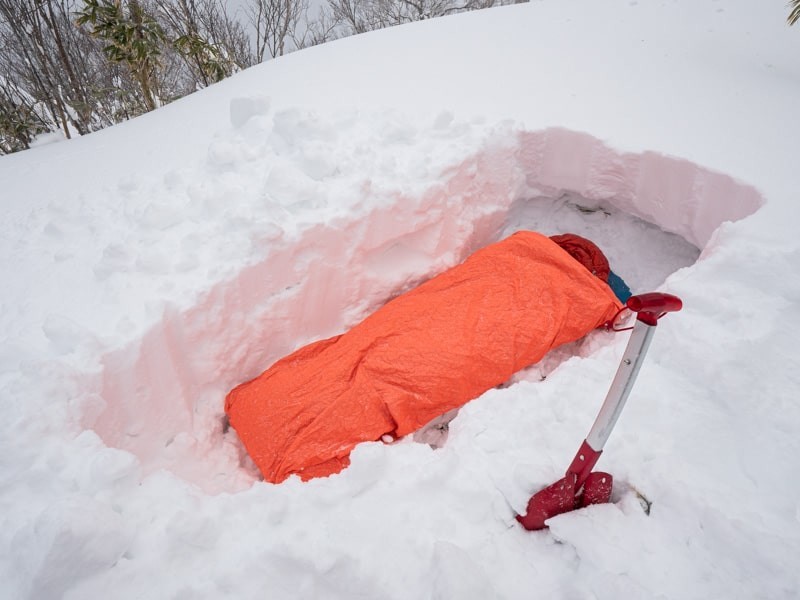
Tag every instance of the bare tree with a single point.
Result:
(33, 58)
(55, 76)
(312, 31)
(359, 16)
(212, 44)
(794, 15)
(20, 120)
(275, 22)
(230, 34)
(80, 65)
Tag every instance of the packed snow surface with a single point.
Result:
(149, 268)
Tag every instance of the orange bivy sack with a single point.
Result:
(420, 355)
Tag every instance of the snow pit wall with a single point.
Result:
(162, 396)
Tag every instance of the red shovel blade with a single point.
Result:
(551, 501)
(597, 489)
(560, 497)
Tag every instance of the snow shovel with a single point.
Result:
(580, 486)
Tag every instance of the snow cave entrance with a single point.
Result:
(161, 398)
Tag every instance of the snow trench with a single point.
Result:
(162, 396)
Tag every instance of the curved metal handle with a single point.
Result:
(622, 385)
(649, 308)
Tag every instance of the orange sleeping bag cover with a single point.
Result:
(420, 355)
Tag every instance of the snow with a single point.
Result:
(150, 267)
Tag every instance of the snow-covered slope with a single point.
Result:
(150, 267)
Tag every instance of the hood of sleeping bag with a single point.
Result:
(422, 354)
(585, 252)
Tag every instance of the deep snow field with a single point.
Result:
(149, 268)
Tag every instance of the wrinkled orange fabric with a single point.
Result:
(420, 355)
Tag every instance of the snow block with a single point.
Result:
(243, 109)
(422, 354)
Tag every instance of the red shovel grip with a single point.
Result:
(653, 305)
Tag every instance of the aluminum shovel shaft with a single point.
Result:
(592, 447)
(649, 308)
(622, 385)
(569, 492)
